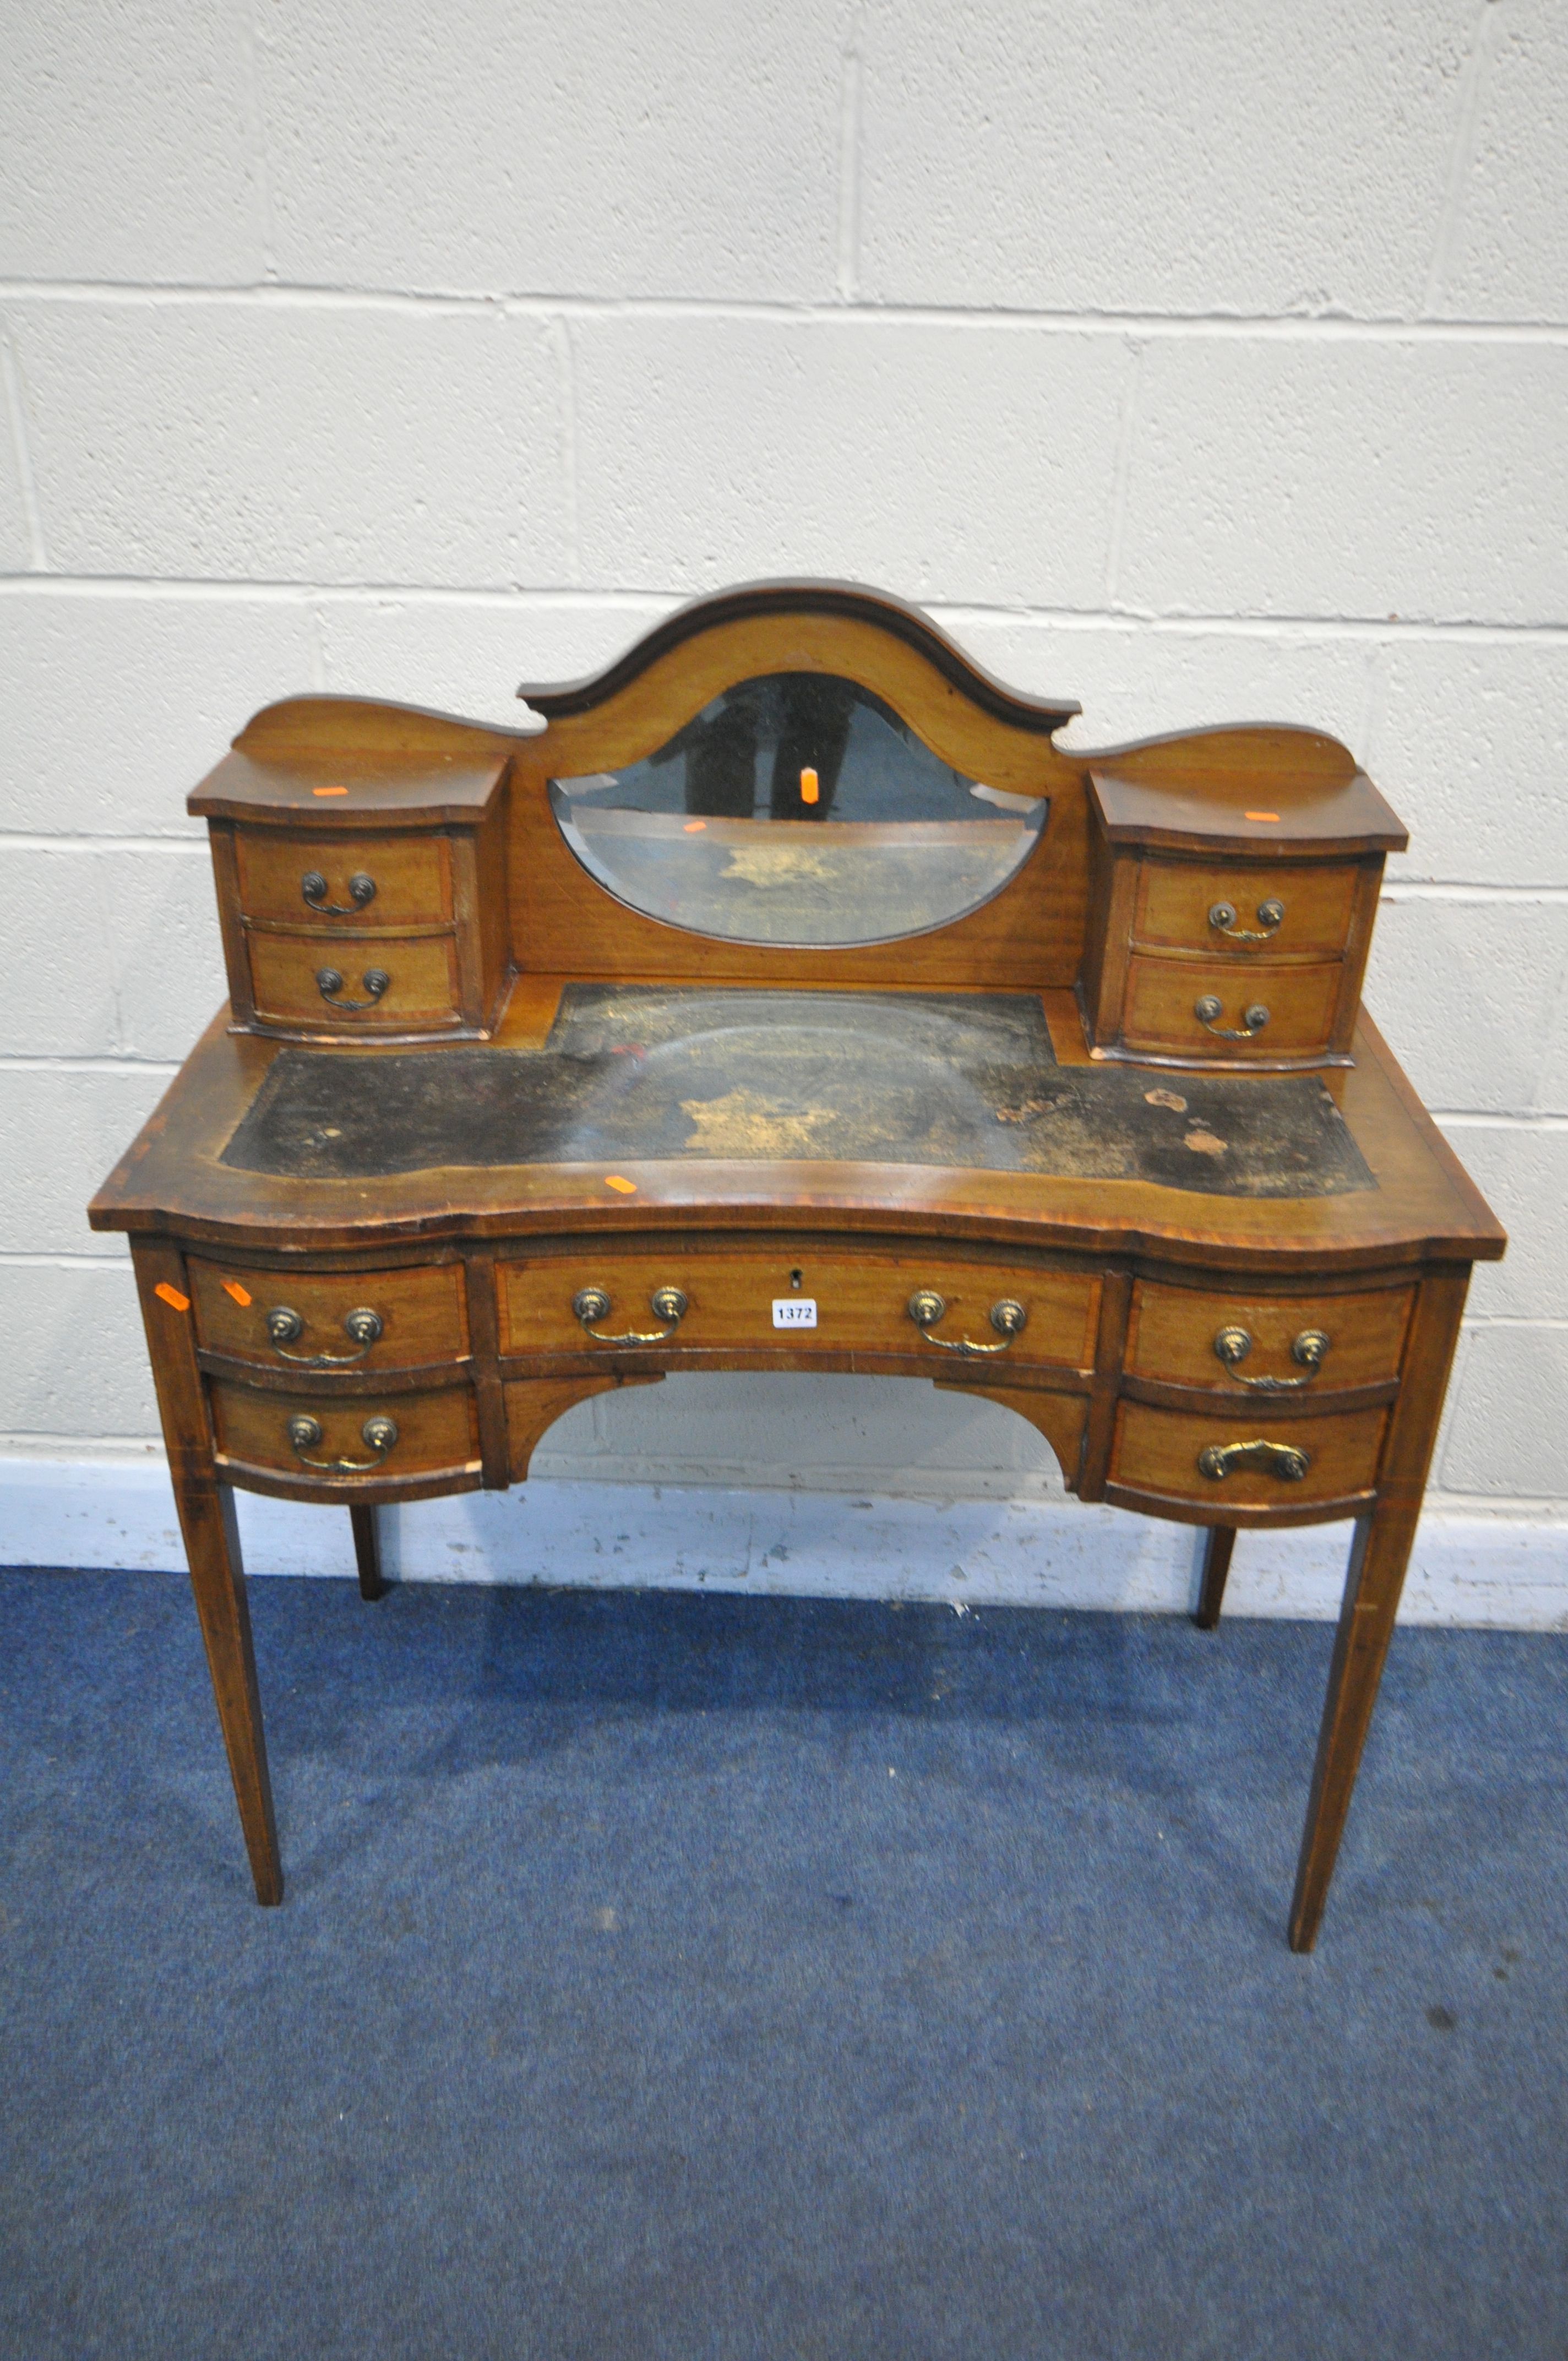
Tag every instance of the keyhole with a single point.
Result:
(795, 1277)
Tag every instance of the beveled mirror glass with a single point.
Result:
(799, 809)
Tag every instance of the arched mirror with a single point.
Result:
(797, 808)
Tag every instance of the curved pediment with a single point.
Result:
(841, 601)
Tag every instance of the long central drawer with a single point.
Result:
(833, 1302)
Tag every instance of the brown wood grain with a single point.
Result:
(411, 875)
(1173, 1330)
(1156, 1453)
(1163, 993)
(861, 1300)
(211, 1534)
(423, 991)
(1174, 898)
(421, 1312)
(1374, 1581)
(437, 1431)
(533, 1405)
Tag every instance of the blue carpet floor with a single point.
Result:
(699, 1977)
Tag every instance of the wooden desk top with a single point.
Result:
(1422, 1207)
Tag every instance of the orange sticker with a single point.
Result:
(809, 790)
(240, 1294)
(619, 1180)
(692, 826)
(1273, 816)
(171, 1295)
(329, 791)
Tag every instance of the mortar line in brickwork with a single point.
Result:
(68, 839)
(560, 336)
(249, 39)
(80, 1449)
(19, 1261)
(66, 1061)
(1438, 889)
(1287, 327)
(1121, 468)
(849, 224)
(1461, 154)
(15, 408)
(578, 598)
(1476, 1320)
(1478, 1119)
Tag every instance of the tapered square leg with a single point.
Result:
(367, 1551)
(1220, 1540)
(211, 1535)
(1378, 1557)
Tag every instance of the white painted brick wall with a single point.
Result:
(1201, 369)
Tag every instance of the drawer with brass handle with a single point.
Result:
(1255, 913)
(1198, 1007)
(1243, 1343)
(1219, 1461)
(310, 1437)
(330, 984)
(323, 1320)
(871, 1305)
(387, 881)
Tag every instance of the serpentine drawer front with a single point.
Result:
(362, 1320)
(366, 1440)
(1191, 1008)
(331, 982)
(931, 1306)
(1225, 1462)
(1253, 914)
(379, 881)
(1230, 926)
(1238, 1343)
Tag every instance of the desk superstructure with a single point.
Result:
(794, 1000)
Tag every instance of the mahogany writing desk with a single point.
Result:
(793, 1001)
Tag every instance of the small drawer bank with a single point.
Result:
(1232, 900)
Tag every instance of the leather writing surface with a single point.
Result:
(639, 1073)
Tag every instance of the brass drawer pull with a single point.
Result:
(666, 1303)
(375, 981)
(285, 1328)
(927, 1307)
(378, 1434)
(1233, 1345)
(1210, 1009)
(1282, 1459)
(312, 887)
(1223, 919)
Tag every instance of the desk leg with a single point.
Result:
(1219, 1542)
(212, 1549)
(366, 1550)
(1379, 1555)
